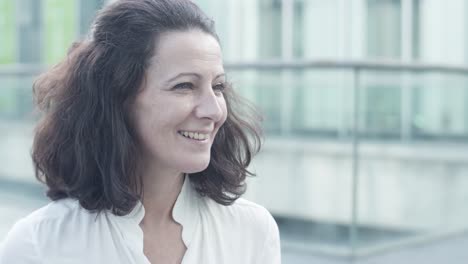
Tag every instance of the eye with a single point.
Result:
(183, 86)
(220, 87)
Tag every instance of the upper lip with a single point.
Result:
(197, 131)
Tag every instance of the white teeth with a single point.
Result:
(194, 135)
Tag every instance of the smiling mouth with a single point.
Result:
(194, 135)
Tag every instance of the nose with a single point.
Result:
(209, 105)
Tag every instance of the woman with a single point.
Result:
(143, 149)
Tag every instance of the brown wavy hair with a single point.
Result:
(85, 146)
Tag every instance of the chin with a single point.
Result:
(196, 167)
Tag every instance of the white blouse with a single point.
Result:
(64, 232)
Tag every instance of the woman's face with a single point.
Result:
(181, 105)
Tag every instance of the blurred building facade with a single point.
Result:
(353, 157)
(426, 31)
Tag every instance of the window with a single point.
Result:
(29, 31)
(88, 9)
(8, 30)
(384, 28)
(60, 28)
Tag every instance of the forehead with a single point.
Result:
(187, 51)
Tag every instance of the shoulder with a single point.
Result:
(57, 213)
(242, 211)
(266, 228)
(250, 212)
(255, 216)
(49, 226)
(253, 219)
(249, 226)
(20, 245)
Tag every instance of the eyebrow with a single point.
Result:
(191, 74)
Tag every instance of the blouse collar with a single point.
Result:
(185, 212)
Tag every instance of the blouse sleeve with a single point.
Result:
(271, 253)
(19, 246)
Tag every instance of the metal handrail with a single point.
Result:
(379, 65)
(20, 69)
(385, 65)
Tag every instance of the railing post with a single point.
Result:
(287, 90)
(353, 236)
(406, 108)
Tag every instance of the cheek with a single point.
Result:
(148, 120)
(223, 118)
(224, 110)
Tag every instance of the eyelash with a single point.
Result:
(220, 86)
(187, 85)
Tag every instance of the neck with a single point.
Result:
(160, 191)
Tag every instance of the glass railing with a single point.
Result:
(16, 92)
(395, 101)
(19, 193)
(359, 157)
